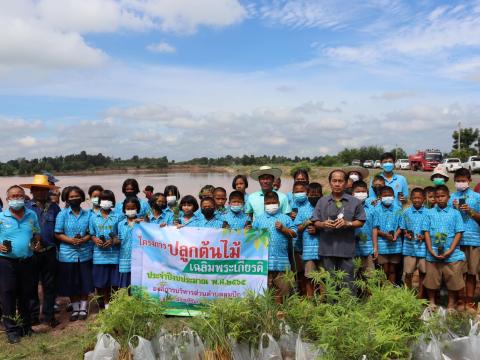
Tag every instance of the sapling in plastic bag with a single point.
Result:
(240, 351)
(465, 348)
(143, 351)
(272, 351)
(106, 348)
(287, 342)
(164, 346)
(190, 346)
(305, 351)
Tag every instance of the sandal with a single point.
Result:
(74, 316)
(82, 315)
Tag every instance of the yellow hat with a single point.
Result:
(40, 181)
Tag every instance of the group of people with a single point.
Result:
(74, 251)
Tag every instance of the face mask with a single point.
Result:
(159, 207)
(354, 177)
(16, 204)
(313, 200)
(300, 197)
(208, 212)
(130, 193)
(271, 209)
(95, 201)
(438, 181)
(106, 204)
(131, 213)
(387, 200)
(236, 208)
(75, 203)
(171, 200)
(461, 186)
(388, 167)
(361, 196)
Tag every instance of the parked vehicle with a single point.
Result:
(452, 164)
(473, 163)
(402, 164)
(425, 160)
(368, 164)
(356, 162)
(378, 164)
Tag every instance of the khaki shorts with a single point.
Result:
(277, 282)
(452, 274)
(367, 263)
(412, 263)
(472, 257)
(389, 259)
(310, 266)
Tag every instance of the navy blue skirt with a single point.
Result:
(124, 279)
(75, 279)
(105, 276)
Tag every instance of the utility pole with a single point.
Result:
(459, 135)
(396, 151)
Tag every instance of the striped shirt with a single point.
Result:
(125, 255)
(363, 235)
(471, 236)
(387, 219)
(236, 221)
(416, 221)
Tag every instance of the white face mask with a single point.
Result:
(354, 177)
(171, 200)
(461, 186)
(106, 204)
(361, 195)
(271, 209)
(131, 213)
(95, 201)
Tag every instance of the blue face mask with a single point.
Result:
(236, 208)
(388, 200)
(388, 167)
(300, 197)
(16, 204)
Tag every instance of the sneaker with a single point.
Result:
(13, 338)
(82, 315)
(74, 316)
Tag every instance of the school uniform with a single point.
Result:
(236, 220)
(363, 238)
(447, 222)
(17, 285)
(398, 183)
(105, 261)
(195, 221)
(125, 255)
(74, 262)
(305, 244)
(145, 209)
(165, 217)
(214, 223)
(256, 203)
(470, 243)
(387, 219)
(414, 251)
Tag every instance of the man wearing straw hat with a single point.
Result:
(266, 175)
(45, 256)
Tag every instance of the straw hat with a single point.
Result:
(39, 181)
(440, 170)
(266, 170)
(361, 170)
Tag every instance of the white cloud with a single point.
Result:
(27, 141)
(161, 47)
(394, 95)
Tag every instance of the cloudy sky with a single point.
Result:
(189, 78)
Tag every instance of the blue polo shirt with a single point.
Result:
(19, 232)
(446, 221)
(471, 236)
(46, 219)
(398, 183)
(416, 221)
(236, 221)
(215, 222)
(388, 219)
(305, 243)
(195, 221)
(165, 217)
(104, 226)
(69, 224)
(125, 255)
(363, 235)
(144, 208)
(256, 203)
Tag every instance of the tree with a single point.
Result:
(400, 153)
(468, 137)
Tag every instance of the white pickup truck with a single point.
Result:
(473, 163)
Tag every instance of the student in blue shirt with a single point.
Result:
(444, 257)
(104, 232)
(235, 216)
(18, 226)
(299, 176)
(240, 183)
(210, 219)
(131, 209)
(189, 214)
(396, 181)
(377, 184)
(161, 213)
(468, 202)
(130, 187)
(386, 233)
(429, 197)
(94, 192)
(173, 197)
(220, 197)
(282, 231)
(75, 253)
(363, 236)
(306, 244)
(414, 225)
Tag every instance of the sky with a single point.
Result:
(193, 78)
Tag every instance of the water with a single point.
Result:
(187, 183)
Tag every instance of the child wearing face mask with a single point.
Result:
(305, 198)
(210, 220)
(130, 188)
(378, 182)
(131, 208)
(235, 216)
(414, 224)
(104, 232)
(173, 197)
(468, 203)
(282, 231)
(161, 213)
(94, 194)
(386, 233)
(365, 249)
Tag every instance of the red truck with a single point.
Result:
(425, 160)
